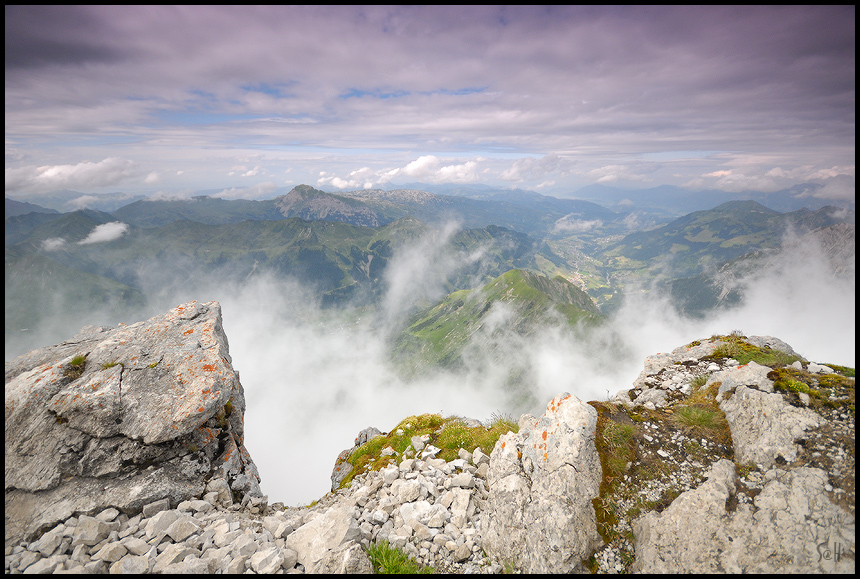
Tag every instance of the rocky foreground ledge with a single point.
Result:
(124, 454)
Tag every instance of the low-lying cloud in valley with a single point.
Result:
(105, 232)
(315, 377)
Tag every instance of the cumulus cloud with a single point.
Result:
(838, 188)
(53, 244)
(571, 224)
(110, 171)
(615, 173)
(836, 183)
(427, 168)
(264, 190)
(82, 202)
(105, 232)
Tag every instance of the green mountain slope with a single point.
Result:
(202, 209)
(438, 335)
(704, 239)
(41, 289)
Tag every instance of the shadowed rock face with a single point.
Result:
(156, 410)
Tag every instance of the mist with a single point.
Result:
(314, 377)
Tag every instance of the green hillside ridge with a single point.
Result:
(713, 236)
(36, 285)
(202, 209)
(438, 335)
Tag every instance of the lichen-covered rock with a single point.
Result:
(541, 484)
(123, 417)
(792, 524)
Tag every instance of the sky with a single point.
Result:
(245, 100)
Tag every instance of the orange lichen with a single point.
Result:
(544, 434)
(209, 367)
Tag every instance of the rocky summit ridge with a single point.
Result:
(124, 453)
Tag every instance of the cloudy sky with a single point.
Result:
(169, 100)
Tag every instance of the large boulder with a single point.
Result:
(793, 527)
(323, 537)
(541, 484)
(121, 417)
(764, 426)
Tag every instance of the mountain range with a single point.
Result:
(342, 246)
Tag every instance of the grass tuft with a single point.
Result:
(76, 367)
(388, 560)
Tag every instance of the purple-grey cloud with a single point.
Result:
(340, 89)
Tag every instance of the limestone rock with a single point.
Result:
(765, 426)
(793, 520)
(349, 559)
(752, 375)
(540, 491)
(155, 413)
(313, 540)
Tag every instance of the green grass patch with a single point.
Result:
(824, 391)
(107, 365)
(843, 370)
(703, 421)
(388, 560)
(616, 446)
(735, 346)
(448, 434)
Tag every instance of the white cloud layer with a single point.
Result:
(105, 232)
(85, 175)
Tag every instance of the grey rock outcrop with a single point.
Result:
(790, 525)
(764, 426)
(541, 484)
(153, 412)
(342, 467)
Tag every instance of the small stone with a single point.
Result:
(182, 528)
(108, 515)
(267, 561)
(135, 545)
(90, 531)
(152, 509)
(111, 552)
